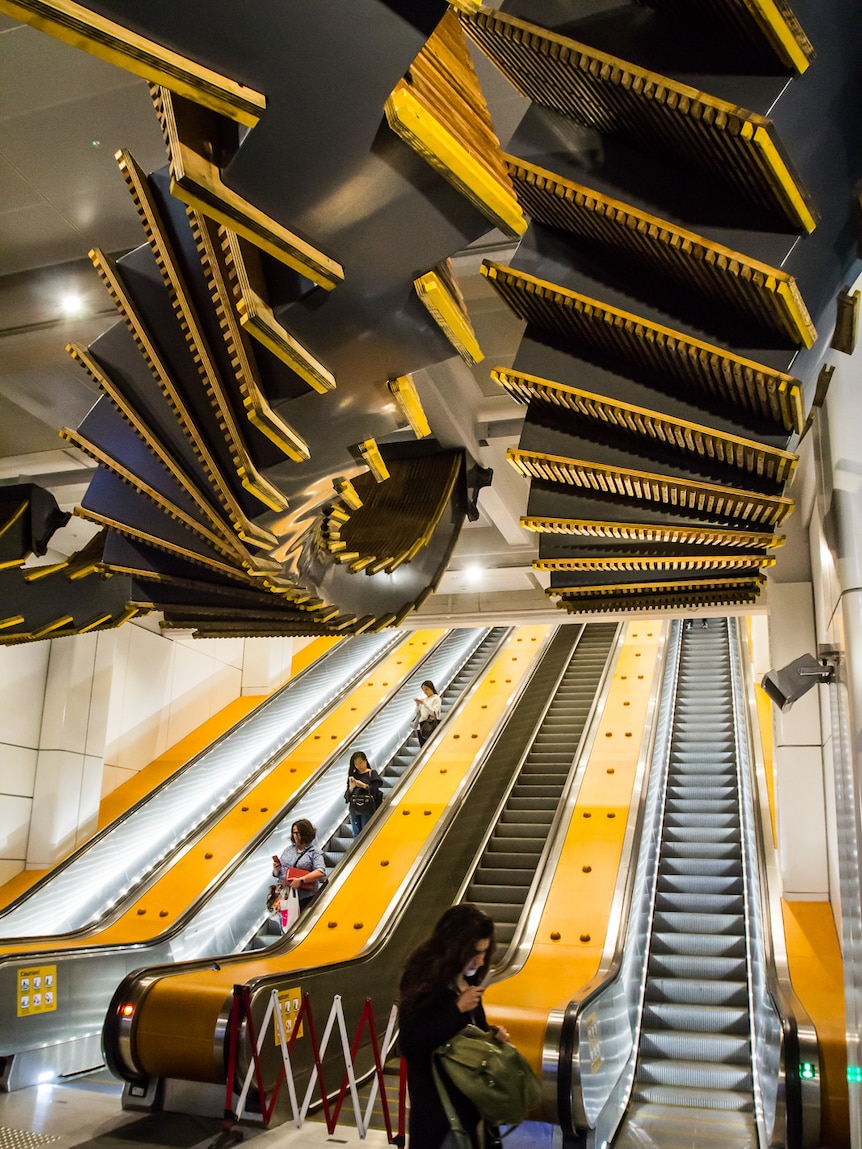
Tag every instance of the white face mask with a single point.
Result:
(471, 969)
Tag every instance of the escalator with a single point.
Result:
(179, 1016)
(511, 858)
(695, 1039)
(78, 893)
(404, 757)
(689, 1034)
(223, 912)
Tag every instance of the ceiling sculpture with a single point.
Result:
(265, 465)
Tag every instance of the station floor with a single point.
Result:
(86, 1111)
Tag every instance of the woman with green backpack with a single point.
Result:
(441, 993)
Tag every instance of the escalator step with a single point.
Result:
(695, 991)
(702, 966)
(520, 831)
(498, 885)
(731, 924)
(707, 821)
(716, 867)
(692, 805)
(526, 818)
(692, 903)
(535, 791)
(681, 1096)
(695, 834)
(716, 851)
(702, 945)
(695, 883)
(694, 1074)
(696, 1018)
(498, 856)
(505, 844)
(483, 893)
(548, 805)
(501, 913)
(725, 1048)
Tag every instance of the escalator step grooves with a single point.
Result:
(694, 1048)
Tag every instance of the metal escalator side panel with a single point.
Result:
(783, 1036)
(576, 1031)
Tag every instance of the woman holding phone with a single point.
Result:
(441, 992)
(303, 854)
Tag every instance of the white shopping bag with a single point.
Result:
(289, 907)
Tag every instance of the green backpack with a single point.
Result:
(491, 1073)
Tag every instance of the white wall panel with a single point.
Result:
(66, 710)
(23, 670)
(114, 776)
(266, 663)
(18, 773)
(104, 669)
(800, 817)
(91, 795)
(8, 869)
(56, 806)
(201, 687)
(14, 828)
(791, 633)
(140, 699)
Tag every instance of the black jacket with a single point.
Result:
(371, 779)
(428, 1024)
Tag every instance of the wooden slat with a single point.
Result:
(649, 533)
(708, 499)
(440, 111)
(769, 23)
(186, 312)
(640, 596)
(717, 273)
(722, 141)
(651, 563)
(590, 326)
(696, 439)
(83, 28)
(247, 530)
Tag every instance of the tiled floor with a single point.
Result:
(86, 1111)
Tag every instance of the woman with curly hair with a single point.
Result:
(441, 992)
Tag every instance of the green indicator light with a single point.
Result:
(806, 1070)
(854, 1074)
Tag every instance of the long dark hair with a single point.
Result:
(430, 685)
(436, 963)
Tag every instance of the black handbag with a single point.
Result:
(362, 803)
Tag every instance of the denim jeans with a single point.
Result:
(358, 822)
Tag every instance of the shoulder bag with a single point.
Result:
(491, 1073)
(362, 802)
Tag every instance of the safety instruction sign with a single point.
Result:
(37, 990)
(289, 1001)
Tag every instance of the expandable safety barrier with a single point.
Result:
(254, 1079)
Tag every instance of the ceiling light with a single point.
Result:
(473, 573)
(71, 305)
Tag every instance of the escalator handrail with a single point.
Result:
(565, 1042)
